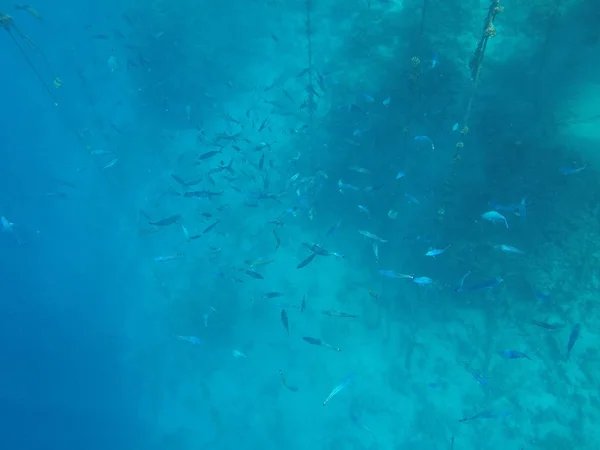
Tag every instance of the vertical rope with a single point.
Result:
(311, 87)
(415, 74)
(475, 63)
(8, 24)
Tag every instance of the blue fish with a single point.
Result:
(573, 338)
(425, 139)
(191, 339)
(392, 274)
(367, 98)
(422, 280)
(342, 186)
(478, 377)
(359, 423)
(489, 284)
(412, 199)
(487, 415)
(571, 170)
(333, 229)
(513, 354)
(519, 209)
(436, 251)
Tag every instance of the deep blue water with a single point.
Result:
(120, 333)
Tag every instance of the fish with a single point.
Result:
(519, 210)
(333, 228)
(179, 180)
(370, 235)
(320, 343)
(488, 284)
(339, 388)
(376, 251)
(168, 258)
(239, 354)
(7, 226)
(306, 261)
(303, 72)
(422, 280)
(261, 163)
(277, 240)
(264, 124)
(111, 163)
(509, 249)
(546, 325)
(494, 217)
(284, 382)
(310, 89)
(335, 313)
(571, 170)
(478, 377)
(210, 227)
(360, 170)
(573, 338)
(436, 251)
(202, 194)
(360, 131)
(359, 423)
(208, 155)
(342, 186)
(486, 415)
(400, 175)
(367, 98)
(190, 339)
(387, 101)
(412, 199)
(30, 9)
(455, 126)
(253, 274)
(303, 304)
(315, 248)
(273, 295)
(285, 322)
(392, 274)
(513, 354)
(101, 152)
(100, 37)
(224, 167)
(365, 210)
(425, 139)
(167, 221)
(258, 262)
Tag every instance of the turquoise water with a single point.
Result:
(299, 224)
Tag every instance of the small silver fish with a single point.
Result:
(508, 249)
(370, 235)
(111, 163)
(191, 339)
(436, 251)
(360, 170)
(168, 258)
(365, 210)
(7, 226)
(494, 217)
